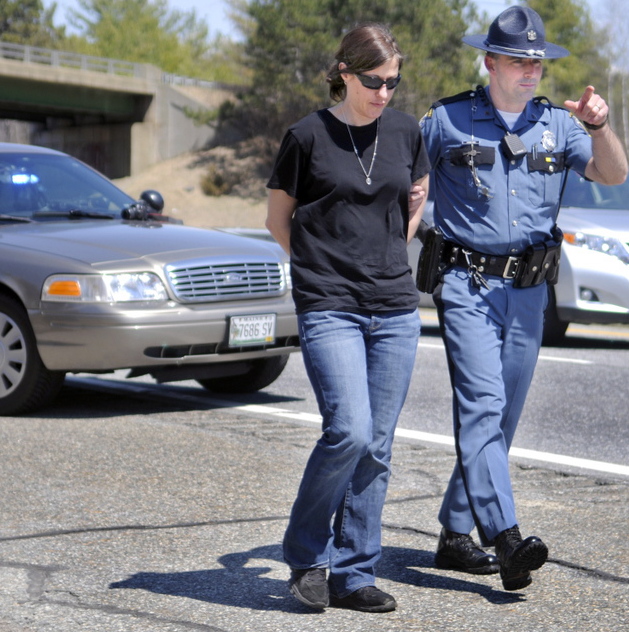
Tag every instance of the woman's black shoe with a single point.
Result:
(310, 586)
(367, 599)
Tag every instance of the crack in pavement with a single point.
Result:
(136, 614)
(138, 527)
(592, 572)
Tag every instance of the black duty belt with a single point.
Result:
(537, 264)
(505, 267)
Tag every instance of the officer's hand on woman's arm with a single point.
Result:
(608, 164)
(417, 197)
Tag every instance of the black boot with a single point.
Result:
(457, 551)
(518, 557)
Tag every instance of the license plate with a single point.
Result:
(258, 329)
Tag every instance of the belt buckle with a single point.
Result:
(511, 268)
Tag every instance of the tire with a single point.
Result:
(554, 329)
(262, 373)
(25, 383)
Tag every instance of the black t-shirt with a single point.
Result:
(348, 238)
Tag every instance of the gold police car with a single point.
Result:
(94, 281)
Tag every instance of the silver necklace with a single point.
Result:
(375, 149)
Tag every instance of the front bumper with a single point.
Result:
(93, 338)
(593, 288)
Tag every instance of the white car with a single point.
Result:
(593, 284)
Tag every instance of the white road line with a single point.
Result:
(426, 345)
(416, 435)
(569, 360)
(559, 459)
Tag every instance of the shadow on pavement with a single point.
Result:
(90, 398)
(241, 583)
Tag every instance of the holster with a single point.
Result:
(540, 262)
(430, 265)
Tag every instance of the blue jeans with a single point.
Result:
(360, 368)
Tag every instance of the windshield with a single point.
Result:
(585, 194)
(48, 183)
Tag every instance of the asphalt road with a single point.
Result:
(577, 405)
(143, 508)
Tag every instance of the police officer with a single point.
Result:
(500, 158)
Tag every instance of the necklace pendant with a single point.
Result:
(375, 150)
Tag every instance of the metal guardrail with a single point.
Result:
(179, 80)
(77, 61)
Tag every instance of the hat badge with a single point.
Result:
(531, 35)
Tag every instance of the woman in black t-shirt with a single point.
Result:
(343, 204)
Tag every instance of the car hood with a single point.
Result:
(597, 221)
(103, 242)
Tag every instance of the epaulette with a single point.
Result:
(462, 96)
(547, 101)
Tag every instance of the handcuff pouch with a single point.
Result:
(540, 262)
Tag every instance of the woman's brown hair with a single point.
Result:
(365, 47)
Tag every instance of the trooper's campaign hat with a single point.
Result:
(517, 32)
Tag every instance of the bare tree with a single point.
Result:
(615, 23)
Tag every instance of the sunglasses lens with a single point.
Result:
(392, 83)
(375, 83)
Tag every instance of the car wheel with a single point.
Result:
(262, 373)
(25, 383)
(554, 328)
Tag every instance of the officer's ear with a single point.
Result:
(490, 63)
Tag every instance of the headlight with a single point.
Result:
(605, 245)
(289, 280)
(104, 288)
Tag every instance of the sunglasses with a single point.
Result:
(375, 83)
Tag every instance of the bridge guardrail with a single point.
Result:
(49, 57)
(78, 61)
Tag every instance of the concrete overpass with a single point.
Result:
(117, 116)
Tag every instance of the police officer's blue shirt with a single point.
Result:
(512, 203)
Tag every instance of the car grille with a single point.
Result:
(201, 281)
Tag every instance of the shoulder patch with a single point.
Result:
(579, 122)
(428, 114)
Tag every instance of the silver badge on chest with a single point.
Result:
(549, 141)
